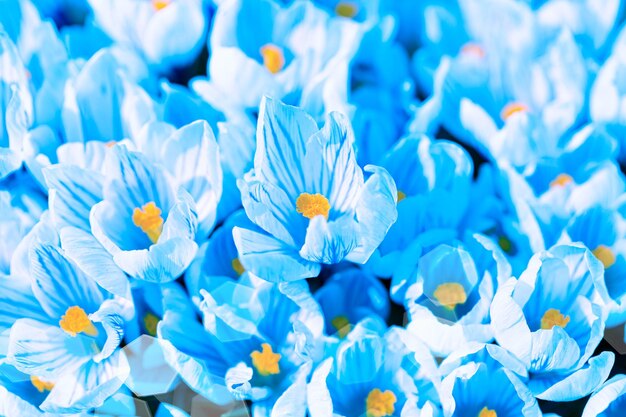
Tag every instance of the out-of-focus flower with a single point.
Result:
(449, 290)
(350, 296)
(377, 374)
(552, 319)
(282, 59)
(257, 343)
(486, 389)
(147, 26)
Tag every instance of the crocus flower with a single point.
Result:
(552, 319)
(309, 196)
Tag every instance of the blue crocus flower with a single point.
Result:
(552, 319)
(257, 343)
(375, 375)
(591, 26)
(217, 261)
(147, 26)
(600, 229)
(308, 194)
(350, 296)
(609, 400)
(16, 105)
(503, 71)
(103, 101)
(429, 175)
(486, 389)
(281, 60)
(145, 225)
(450, 290)
(69, 343)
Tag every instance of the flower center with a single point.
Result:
(273, 58)
(553, 317)
(401, 196)
(604, 255)
(311, 205)
(266, 361)
(450, 294)
(346, 9)
(149, 220)
(160, 4)
(380, 403)
(561, 180)
(485, 412)
(150, 322)
(40, 384)
(237, 266)
(505, 244)
(76, 321)
(512, 108)
(342, 324)
(474, 49)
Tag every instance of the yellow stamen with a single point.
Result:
(273, 58)
(237, 266)
(311, 205)
(150, 322)
(266, 361)
(342, 324)
(561, 180)
(379, 403)
(110, 143)
(76, 321)
(505, 243)
(450, 294)
(512, 108)
(473, 49)
(346, 9)
(401, 196)
(485, 412)
(604, 255)
(553, 317)
(40, 384)
(160, 4)
(149, 220)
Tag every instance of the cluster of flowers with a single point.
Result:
(250, 194)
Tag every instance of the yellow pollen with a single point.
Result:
(346, 9)
(237, 266)
(485, 412)
(450, 294)
(76, 321)
(40, 384)
(266, 361)
(473, 49)
(380, 403)
(149, 220)
(553, 317)
(160, 4)
(401, 196)
(342, 324)
(273, 58)
(512, 108)
(604, 255)
(150, 322)
(110, 143)
(311, 205)
(561, 180)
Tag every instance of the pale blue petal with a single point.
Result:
(270, 258)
